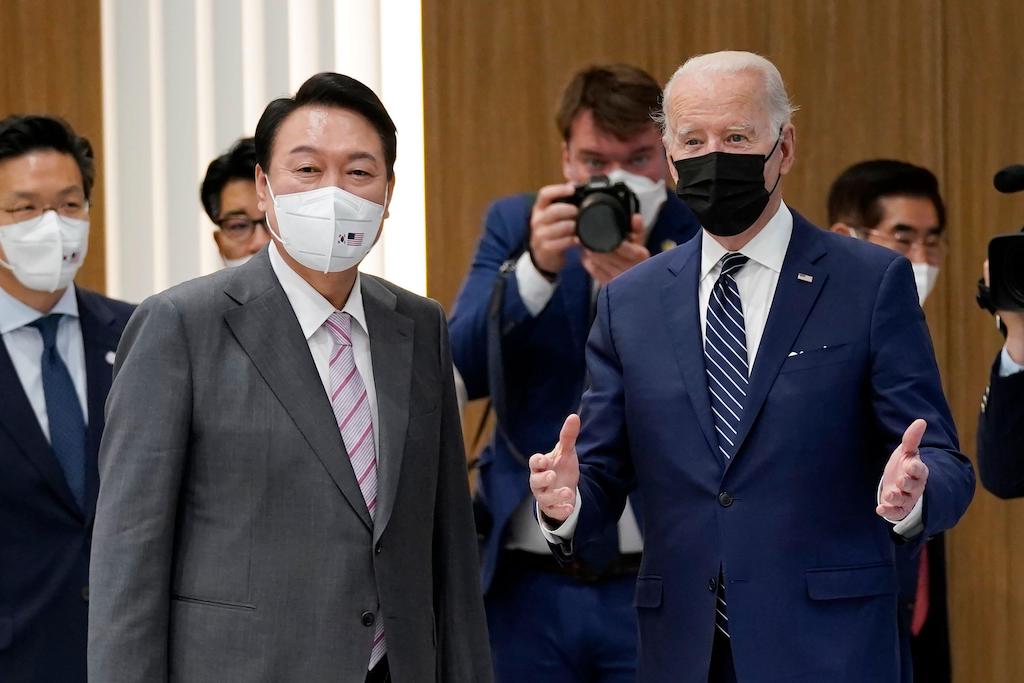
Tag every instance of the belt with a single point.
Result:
(626, 564)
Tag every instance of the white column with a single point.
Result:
(183, 79)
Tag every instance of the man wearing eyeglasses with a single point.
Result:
(229, 197)
(56, 364)
(898, 205)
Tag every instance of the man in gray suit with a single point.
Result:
(283, 485)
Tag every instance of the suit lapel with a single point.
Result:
(391, 347)
(793, 301)
(100, 336)
(20, 422)
(680, 301)
(266, 327)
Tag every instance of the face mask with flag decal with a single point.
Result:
(327, 229)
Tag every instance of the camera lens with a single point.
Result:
(602, 224)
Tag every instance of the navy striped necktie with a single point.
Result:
(725, 355)
(63, 409)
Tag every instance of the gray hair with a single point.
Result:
(780, 109)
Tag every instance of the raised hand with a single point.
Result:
(905, 476)
(554, 476)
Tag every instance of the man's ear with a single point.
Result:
(843, 229)
(262, 196)
(391, 194)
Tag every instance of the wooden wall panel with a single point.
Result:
(51, 63)
(934, 82)
(984, 108)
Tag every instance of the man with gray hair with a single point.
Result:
(770, 391)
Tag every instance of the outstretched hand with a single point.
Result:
(554, 475)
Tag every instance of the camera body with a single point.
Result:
(1006, 274)
(606, 210)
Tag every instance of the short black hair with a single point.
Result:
(332, 90)
(238, 163)
(24, 133)
(855, 194)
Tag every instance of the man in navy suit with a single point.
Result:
(56, 364)
(1001, 425)
(519, 329)
(770, 391)
(898, 205)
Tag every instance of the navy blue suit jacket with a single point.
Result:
(811, 580)
(543, 355)
(44, 537)
(1001, 435)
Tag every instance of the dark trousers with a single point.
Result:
(549, 628)
(722, 669)
(380, 673)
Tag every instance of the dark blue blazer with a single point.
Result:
(1001, 435)
(44, 537)
(543, 356)
(811, 579)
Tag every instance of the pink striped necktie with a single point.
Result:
(352, 411)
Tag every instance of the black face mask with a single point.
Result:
(724, 190)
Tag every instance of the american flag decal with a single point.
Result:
(355, 239)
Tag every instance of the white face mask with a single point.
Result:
(45, 252)
(327, 229)
(235, 262)
(651, 194)
(925, 276)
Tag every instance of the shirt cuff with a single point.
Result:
(911, 525)
(563, 533)
(534, 289)
(1007, 366)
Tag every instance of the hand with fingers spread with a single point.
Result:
(905, 476)
(603, 268)
(552, 228)
(554, 476)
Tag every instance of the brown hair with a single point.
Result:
(621, 97)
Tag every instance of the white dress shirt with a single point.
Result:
(312, 311)
(757, 282)
(1007, 366)
(25, 347)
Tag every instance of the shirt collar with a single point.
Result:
(311, 308)
(14, 314)
(768, 247)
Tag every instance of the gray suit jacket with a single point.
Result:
(232, 542)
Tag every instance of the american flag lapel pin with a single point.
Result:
(804, 277)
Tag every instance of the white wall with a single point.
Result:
(183, 79)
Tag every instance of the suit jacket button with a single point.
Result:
(368, 619)
(724, 499)
(378, 549)
(85, 593)
(713, 585)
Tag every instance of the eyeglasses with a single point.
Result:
(67, 209)
(240, 228)
(903, 241)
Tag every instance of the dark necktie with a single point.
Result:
(63, 410)
(725, 354)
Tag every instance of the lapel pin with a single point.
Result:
(804, 277)
(668, 244)
(109, 357)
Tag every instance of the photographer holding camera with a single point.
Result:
(1001, 425)
(519, 329)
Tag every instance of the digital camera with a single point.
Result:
(606, 210)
